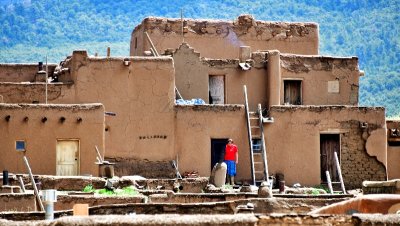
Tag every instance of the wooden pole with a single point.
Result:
(21, 183)
(340, 173)
(246, 107)
(151, 43)
(264, 149)
(47, 77)
(33, 184)
(183, 37)
(328, 178)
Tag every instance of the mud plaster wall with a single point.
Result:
(142, 97)
(41, 138)
(222, 39)
(34, 92)
(21, 72)
(197, 125)
(393, 152)
(315, 72)
(17, 202)
(141, 94)
(192, 78)
(293, 142)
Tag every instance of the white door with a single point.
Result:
(217, 89)
(67, 158)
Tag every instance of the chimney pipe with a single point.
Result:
(244, 53)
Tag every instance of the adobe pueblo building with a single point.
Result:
(126, 106)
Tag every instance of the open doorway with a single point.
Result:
(292, 92)
(329, 143)
(216, 89)
(217, 150)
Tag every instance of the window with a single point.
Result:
(292, 92)
(216, 89)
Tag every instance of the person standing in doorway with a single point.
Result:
(231, 159)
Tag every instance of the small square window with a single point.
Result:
(20, 145)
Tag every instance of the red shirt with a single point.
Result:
(230, 152)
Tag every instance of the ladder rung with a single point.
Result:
(256, 153)
(335, 183)
(253, 118)
(258, 171)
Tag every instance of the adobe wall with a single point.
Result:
(319, 76)
(141, 94)
(21, 72)
(222, 39)
(192, 77)
(197, 125)
(25, 122)
(393, 149)
(293, 142)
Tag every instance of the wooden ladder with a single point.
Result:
(255, 131)
(328, 177)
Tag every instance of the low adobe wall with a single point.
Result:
(22, 72)
(217, 219)
(17, 203)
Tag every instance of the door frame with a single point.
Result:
(340, 148)
(79, 153)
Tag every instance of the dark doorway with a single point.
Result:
(217, 150)
(329, 143)
(292, 92)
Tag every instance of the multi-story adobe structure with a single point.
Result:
(312, 99)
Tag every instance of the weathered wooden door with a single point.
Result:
(329, 144)
(67, 158)
(292, 92)
(216, 89)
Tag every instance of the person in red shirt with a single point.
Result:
(231, 159)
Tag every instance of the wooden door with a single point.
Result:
(292, 92)
(67, 158)
(329, 143)
(216, 89)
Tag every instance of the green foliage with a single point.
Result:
(88, 188)
(127, 191)
(368, 29)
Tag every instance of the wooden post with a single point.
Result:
(340, 173)
(328, 178)
(108, 51)
(33, 184)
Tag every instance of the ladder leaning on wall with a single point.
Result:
(258, 155)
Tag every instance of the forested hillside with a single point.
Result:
(369, 29)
